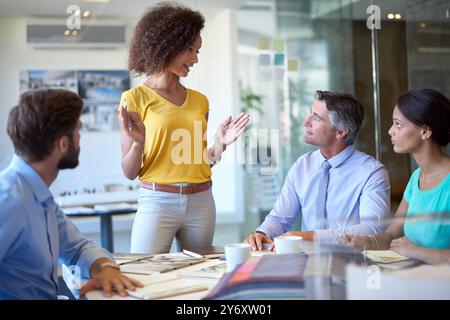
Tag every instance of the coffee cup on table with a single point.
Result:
(236, 254)
(288, 244)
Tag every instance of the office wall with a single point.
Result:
(100, 152)
(100, 156)
(16, 55)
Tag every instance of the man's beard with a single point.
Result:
(70, 159)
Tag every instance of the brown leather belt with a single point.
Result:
(189, 189)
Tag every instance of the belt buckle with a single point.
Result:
(181, 190)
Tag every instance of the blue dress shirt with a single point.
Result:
(358, 198)
(34, 234)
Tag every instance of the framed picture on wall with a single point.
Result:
(37, 79)
(102, 85)
(99, 89)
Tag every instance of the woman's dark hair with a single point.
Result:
(41, 117)
(161, 34)
(427, 107)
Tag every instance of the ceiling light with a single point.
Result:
(390, 16)
(86, 14)
(398, 16)
(423, 25)
(74, 32)
(67, 32)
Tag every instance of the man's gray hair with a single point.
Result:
(345, 112)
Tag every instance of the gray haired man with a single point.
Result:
(339, 190)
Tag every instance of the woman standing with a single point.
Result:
(163, 134)
(421, 127)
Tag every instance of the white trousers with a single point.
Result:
(163, 216)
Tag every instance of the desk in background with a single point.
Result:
(105, 212)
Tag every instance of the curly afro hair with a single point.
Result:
(163, 32)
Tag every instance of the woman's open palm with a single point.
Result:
(132, 124)
(230, 129)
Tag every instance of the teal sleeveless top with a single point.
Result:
(428, 233)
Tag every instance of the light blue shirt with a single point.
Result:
(34, 234)
(357, 197)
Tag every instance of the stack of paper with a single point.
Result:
(160, 286)
(384, 256)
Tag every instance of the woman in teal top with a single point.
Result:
(433, 232)
(421, 123)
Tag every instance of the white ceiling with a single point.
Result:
(419, 9)
(113, 8)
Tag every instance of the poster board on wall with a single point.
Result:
(99, 89)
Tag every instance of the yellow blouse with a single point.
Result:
(175, 145)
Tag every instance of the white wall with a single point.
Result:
(16, 55)
(99, 155)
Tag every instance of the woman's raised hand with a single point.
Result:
(132, 124)
(230, 129)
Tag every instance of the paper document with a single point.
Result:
(126, 258)
(212, 269)
(384, 256)
(158, 264)
(166, 289)
(152, 279)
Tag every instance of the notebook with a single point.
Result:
(210, 252)
(384, 256)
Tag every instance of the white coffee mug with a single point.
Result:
(236, 254)
(288, 244)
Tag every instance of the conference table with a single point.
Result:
(326, 278)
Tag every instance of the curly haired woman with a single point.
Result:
(163, 134)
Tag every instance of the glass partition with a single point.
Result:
(287, 49)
